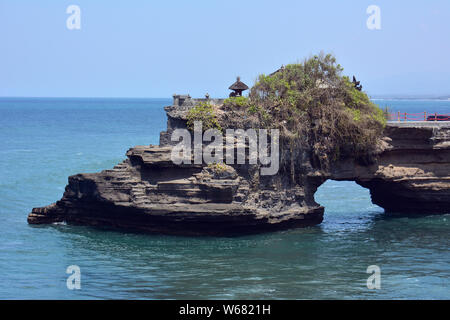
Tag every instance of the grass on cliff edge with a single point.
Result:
(315, 108)
(205, 113)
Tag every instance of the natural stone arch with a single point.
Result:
(329, 195)
(148, 192)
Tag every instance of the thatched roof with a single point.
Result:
(238, 85)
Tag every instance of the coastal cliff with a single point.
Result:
(148, 192)
(413, 174)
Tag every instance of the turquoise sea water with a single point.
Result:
(43, 141)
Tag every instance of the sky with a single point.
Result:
(158, 48)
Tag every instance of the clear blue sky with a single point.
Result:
(157, 48)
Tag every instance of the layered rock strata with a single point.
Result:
(148, 192)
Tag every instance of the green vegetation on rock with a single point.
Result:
(218, 167)
(205, 113)
(315, 107)
(238, 102)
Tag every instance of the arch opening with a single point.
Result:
(345, 203)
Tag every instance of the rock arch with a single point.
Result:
(148, 192)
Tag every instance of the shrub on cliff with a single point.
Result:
(205, 113)
(316, 108)
(236, 102)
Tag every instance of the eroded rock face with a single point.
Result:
(413, 176)
(148, 192)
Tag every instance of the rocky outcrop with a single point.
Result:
(148, 192)
(413, 174)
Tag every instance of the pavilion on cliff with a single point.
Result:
(237, 87)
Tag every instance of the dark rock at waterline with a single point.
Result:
(148, 192)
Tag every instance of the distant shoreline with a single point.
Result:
(376, 98)
(409, 99)
(417, 98)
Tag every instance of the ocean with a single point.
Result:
(43, 141)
